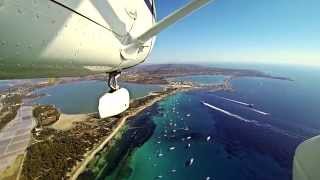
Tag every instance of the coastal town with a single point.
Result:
(40, 142)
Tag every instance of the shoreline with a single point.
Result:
(215, 87)
(117, 122)
(87, 160)
(73, 119)
(77, 143)
(136, 108)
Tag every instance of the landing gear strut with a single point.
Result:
(113, 81)
(116, 100)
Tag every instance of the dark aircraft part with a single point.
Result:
(113, 81)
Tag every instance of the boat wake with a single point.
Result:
(234, 101)
(260, 112)
(228, 113)
(265, 125)
(245, 104)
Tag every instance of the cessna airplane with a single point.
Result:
(55, 38)
(51, 38)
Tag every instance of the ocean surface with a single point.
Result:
(250, 133)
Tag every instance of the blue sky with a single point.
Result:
(265, 31)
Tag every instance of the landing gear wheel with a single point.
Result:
(116, 100)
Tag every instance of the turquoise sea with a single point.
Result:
(245, 142)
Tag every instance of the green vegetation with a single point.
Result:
(53, 153)
(10, 106)
(15, 71)
(104, 158)
(122, 170)
(45, 115)
(106, 162)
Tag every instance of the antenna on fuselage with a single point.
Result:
(131, 48)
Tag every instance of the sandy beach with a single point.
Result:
(66, 121)
(81, 166)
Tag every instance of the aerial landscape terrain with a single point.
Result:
(159, 90)
(46, 139)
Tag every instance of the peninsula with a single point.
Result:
(62, 146)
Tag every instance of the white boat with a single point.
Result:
(208, 138)
(173, 171)
(160, 154)
(189, 162)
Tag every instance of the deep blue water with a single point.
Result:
(244, 144)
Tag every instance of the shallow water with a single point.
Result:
(245, 144)
(82, 96)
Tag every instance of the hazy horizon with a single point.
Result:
(242, 31)
(235, 62)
